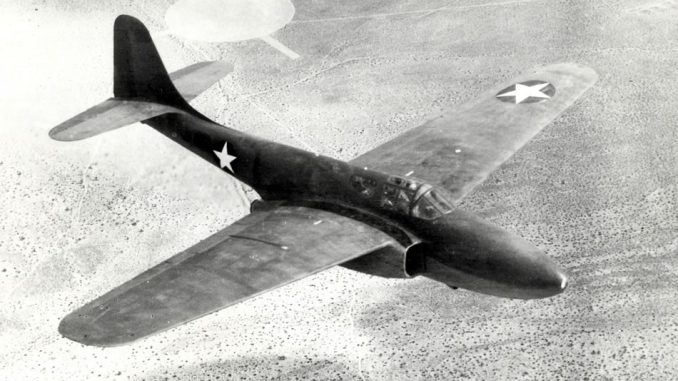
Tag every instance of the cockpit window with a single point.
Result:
(396, 198)
(403, 202)
(430, 206)
(408, 196)
(424, 209)
(439, 202)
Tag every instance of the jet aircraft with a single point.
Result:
(389, 212)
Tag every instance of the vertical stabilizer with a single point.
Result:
(139, 73)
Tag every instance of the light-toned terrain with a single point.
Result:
(596, 190)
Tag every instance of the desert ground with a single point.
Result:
(596, 190)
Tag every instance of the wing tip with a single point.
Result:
(80, 327)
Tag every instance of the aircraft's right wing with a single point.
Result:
(460, 148)
(262, 251)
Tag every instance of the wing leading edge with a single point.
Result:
(262, 251)
(459, 149)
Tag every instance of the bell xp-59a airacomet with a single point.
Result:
(389, 212)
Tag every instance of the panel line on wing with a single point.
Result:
(283, 247)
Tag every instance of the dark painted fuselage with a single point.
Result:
(451, 246)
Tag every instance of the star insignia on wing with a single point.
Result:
(224, 158)
(527, 92)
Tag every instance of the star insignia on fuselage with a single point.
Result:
(224, 158)
(527, 92)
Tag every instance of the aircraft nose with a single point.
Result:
(542, 276)
(498, 262)
(563, 281)
(559, 281)
(553, 280)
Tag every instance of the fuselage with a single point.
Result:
(460, 248)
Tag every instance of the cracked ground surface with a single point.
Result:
(596, 190)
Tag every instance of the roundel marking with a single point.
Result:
(533, 91)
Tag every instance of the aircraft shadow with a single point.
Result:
(258, 368)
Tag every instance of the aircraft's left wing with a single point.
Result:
(459, 149)
(262, 251)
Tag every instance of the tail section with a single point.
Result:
(142, 88)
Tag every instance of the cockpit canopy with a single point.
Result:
(407, 196)
(415, 198)
(430, 205)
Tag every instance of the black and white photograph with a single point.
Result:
(339, 190)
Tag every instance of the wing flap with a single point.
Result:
(262, 251)
(459, 149)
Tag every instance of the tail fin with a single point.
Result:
(139, 73)
(142, 88)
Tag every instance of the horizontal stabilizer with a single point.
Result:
(106, 116)
(193, 80)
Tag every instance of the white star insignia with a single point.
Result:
(224, 158)
(523, 92)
